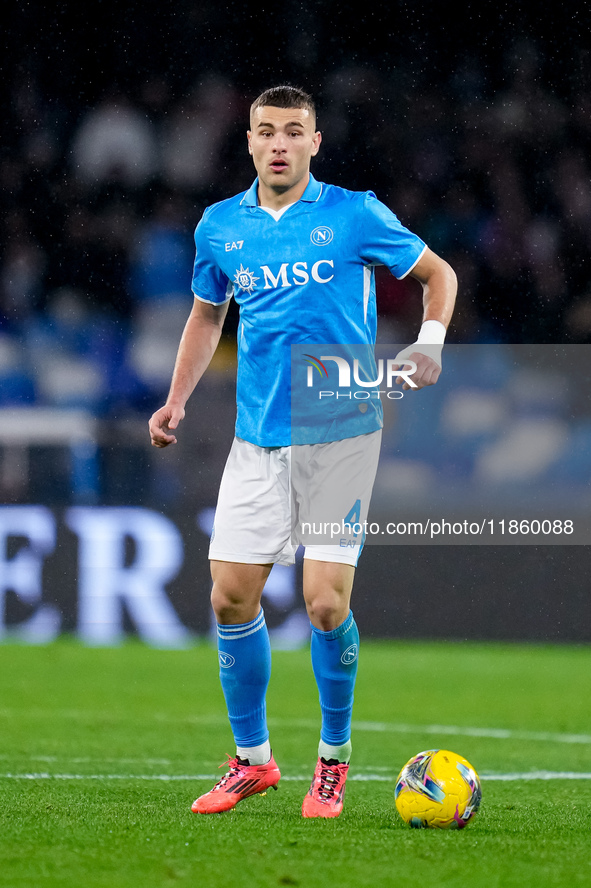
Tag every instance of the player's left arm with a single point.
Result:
(440, 286)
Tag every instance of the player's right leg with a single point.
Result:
(244, 656)
(240, 781)
(252, 531)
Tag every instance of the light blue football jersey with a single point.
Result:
(306, 278)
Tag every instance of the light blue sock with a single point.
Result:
(245, 668)
(334, 661)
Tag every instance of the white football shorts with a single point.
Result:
(273, 499)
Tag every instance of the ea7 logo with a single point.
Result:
(226, 660)
(233, 245)
(299, 274)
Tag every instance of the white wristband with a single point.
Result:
(431, 333)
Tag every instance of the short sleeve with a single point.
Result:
(210, 284)
(385, 241)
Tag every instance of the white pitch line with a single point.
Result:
(456, 730)
(448, 730)
(86, 760)
(540, 775)
(363, 778)
(379, 778)
(367, 726)
(162, 777)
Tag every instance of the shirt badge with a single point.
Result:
(322, 235)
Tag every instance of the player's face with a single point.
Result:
(282, 141)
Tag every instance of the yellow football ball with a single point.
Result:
(438, 789)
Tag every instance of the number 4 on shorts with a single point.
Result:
(354, 516)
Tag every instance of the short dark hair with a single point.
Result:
(284, 97)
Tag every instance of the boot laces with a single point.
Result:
(328, 781)
(233, 769)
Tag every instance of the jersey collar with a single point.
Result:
(310, 195)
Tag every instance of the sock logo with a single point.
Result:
(226, 660)
(350, 655)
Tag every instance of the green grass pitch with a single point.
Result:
(102, 752)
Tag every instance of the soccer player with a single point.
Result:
(297, 255)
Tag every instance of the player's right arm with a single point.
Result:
(198, 343)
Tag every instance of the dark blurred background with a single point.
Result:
(122, 122)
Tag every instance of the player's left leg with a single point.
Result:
(334, 650)
(332, 484)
